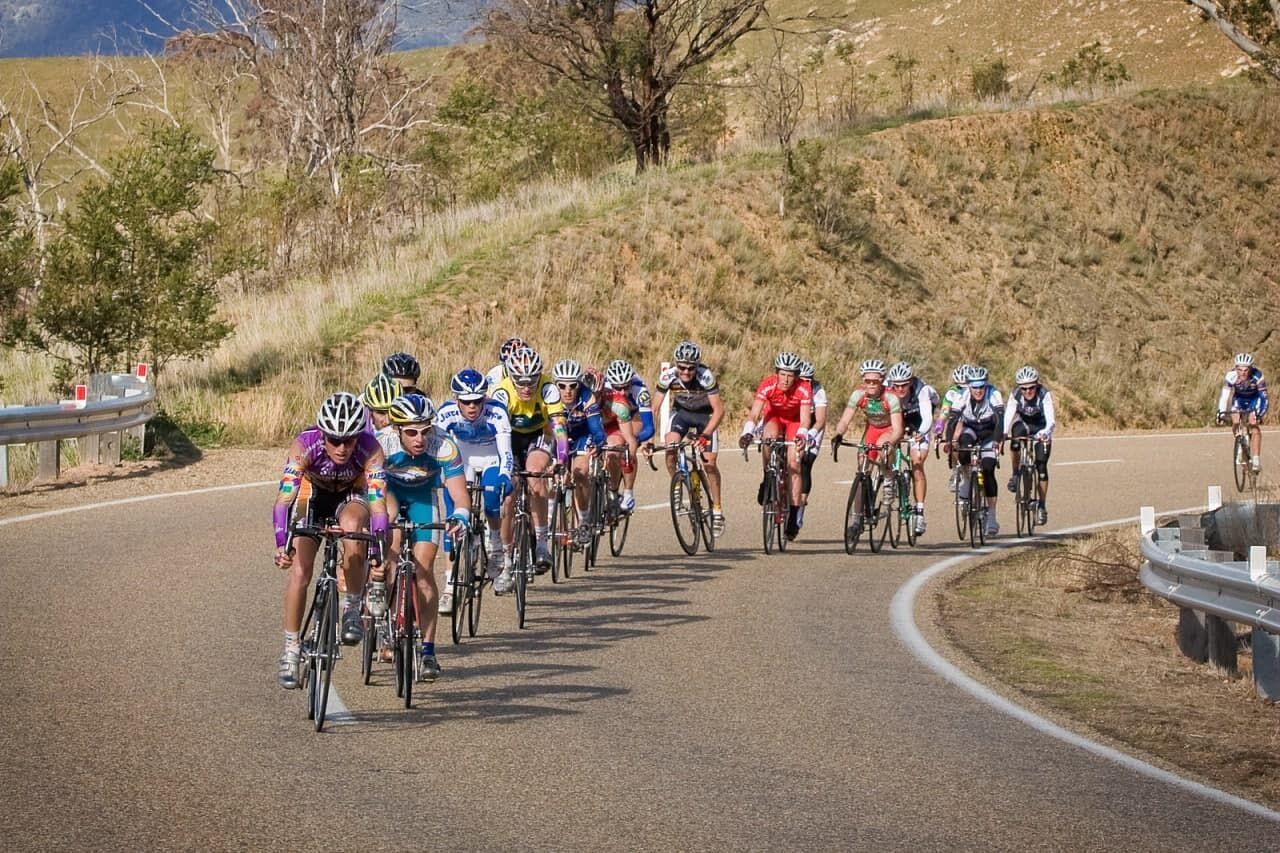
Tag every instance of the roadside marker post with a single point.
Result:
(1147, 522)
(1215, 498)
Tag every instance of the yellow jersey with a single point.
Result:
(536, 413)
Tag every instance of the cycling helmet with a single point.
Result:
(788, 361)
(401, 365)
(619, 373)
(900, 372)
(960, 375)
(567, 370)
(412, 409)
(509, 346)
(806, 370)
(468, 384)
(1244, 359)
(977, 375)
(592, 378)
(1026, 376)
(341, 416)
(872, 365)
(379, 393)
(688, 351)
(524, 365)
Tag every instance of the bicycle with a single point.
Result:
(605, 513)
(564, 527)
(1026, 500)
(866, 508)
(470, 577)
(524, 539)
(402, 614)
(776, 507)
(972, 513)
(691, 521)
(1242, 458)
(319, 652)
(902, 497)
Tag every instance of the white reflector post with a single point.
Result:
(1214, 499)
(1257, 562)
(1147, 520)
(82, 396)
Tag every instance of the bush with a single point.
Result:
(991, 80)
(825, 193)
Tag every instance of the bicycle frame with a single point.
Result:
(863, 511)
(403, 613)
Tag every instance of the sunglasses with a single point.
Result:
(567, 386)
(1026, 387)
(470, 402)
(526, 383)
(413, 432)
(900, 386)
(334, 441)
(680, 366)
(869, 381)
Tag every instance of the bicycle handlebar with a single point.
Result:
(332, 532)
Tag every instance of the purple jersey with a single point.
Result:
(323, 472)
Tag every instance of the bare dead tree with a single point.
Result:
(1251, 25)
(631, 55)
(778, 87)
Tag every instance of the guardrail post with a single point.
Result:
(1266, 665)
(49, 460)
(1222, 644)
(1193, 639)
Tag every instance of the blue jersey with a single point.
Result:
(487, 435)
(582, 419)
(1245, 390)
(418, 478)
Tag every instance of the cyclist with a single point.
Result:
(784, 407)
(627, 415)
(377, 398)
(428, 463)
(1029, 412)
(334, 471)
(586, 435)
(817, 426)
(533, 403)
(883, 414)
(1244, 390)
(919, 400)
(696, 407)
(980, 418)
(405, 370)
(499, 371)
(952, 397)
(481, 429)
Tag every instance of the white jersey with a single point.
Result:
(389, 440)
(483, 442)
(495, 375)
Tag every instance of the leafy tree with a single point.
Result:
(828, 194)
(17, 257)
(991, 79)
(1251, 25)
(132, 276)
(1089, 67)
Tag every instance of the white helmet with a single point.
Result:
(960, 375)
(1026, 376)
(619, 373)
(806, 370)
(688, 351)
(977, 375)
(871, 365)
(788, 361)
(341, 415)
(567, 370)
(1244, 359)
(900, 372)
(524, 365)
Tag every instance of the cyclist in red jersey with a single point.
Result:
(783, 403)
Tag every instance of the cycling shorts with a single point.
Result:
(314, 506)
(524, 442)
(420, 510)
(580, 444)
(1244, 405)
(789, 427)
(683, 422)
(876, 435)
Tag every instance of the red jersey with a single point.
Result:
(784, 405)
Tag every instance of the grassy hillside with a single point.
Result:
(1127, 248)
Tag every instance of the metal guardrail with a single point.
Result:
(127, 404)
(1197, 565)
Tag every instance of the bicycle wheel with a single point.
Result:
(1025, 501)
(781, 517)
(619, 523)
(704, 513)
(559, 535)
(853, 516)
(596, 518)
(682, 519)
(464, 566)
(368, 645)
(888, 511)
(977, 511)
(962, 515)
(871, 499)
(907, 507)
(476, 596)
(326, 656)
(524, 566)
(769, 510)
(1240, 462)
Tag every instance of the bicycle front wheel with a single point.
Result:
(618, 527)
(464, 566)
(871, 500)
(906, 508)
(559, 537)
(977, 503)
(769, 510)
(682, 517)
(962, 514)
(704, 515)
(853, 516)
(326, 656)
(596, 518)
(1024, 501)
(1240, 462)
(782, 516)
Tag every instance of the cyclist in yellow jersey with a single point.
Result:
(533, 404)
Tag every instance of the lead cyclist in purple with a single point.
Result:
(334, 471)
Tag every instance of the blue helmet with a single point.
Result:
(468, 384)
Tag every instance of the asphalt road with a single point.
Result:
(728, 701)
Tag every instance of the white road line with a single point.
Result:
(902, 616)
(1085, 462)
(653, 506)
(1133, 435)
(336, 711)
(139, 499)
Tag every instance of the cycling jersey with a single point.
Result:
(487, 438)
(534, 415)
(582, 420)
(310, 475)
(494, 377)
(1037, 413)
(623, 405)
(692, 395)
(414, 480)
(984, 418)
(784, 405)
(918, 403)
(388, 440)
(879, 411)
(1245, 390)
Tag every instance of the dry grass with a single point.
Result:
(1109, 661)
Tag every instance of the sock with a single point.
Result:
(542, 535)
(292, 641)
(350, 601)
(920, 509)
(799, 516)
(583, 517)
(428, 648)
